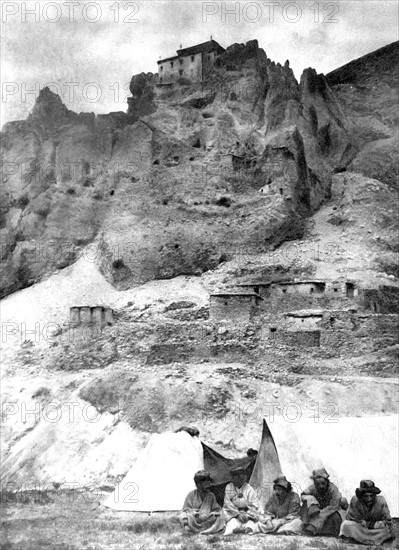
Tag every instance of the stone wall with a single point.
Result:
(295, 295)
(234, 308)
(385, 299)
(308, 322)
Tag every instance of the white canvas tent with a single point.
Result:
(162, 475)
(350, 449)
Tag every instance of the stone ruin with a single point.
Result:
(311, 313)
(98, 316)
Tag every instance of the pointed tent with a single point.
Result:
(267, 466)
(162, 475)
(349, 448)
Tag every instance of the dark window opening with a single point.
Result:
(273, 329)
(156, 161)
(192, 158)
(111, 192)
(177, 245)
(175, 158)
(320, 287)
(281, 191)
(192, 58)
(160, 79)
(350, 290)
(256, 289)
(335, 289)
(171, 64)
(225, 303)
(197, 143)
(284, 290)
(311, 290)
(161, 67)
(332, 320)
(165, 202)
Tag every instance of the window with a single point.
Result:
(161, 69)
(171, 64)
(335, 289)
(180, 72)
(181, 61)
(311, 290)
(192, 58)
(161, 79)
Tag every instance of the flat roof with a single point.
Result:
(168, 59)
(236, 294)
(305, 313)
(283, 282)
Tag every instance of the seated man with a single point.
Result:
(241, 505)
(322, 510)
(282, 510)
(368, 520)
(201, 513)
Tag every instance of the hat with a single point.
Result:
(321, 472)
(367, 486)
(202, 475)
(282, 481)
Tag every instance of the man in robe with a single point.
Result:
(282, 511)
(241, 505)
(368, 520)
(323, 506)
(201, 513)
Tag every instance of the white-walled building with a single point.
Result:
(191, 63)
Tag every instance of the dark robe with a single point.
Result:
(368, 525)
(322, 511)
(203, 513)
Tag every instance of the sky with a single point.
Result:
(87, 51)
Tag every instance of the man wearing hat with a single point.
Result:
(282, 510)
(201, 513)
(322, 511)
(241, 504)
(368, 520)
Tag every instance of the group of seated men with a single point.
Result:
(321, 509)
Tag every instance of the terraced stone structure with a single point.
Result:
(94, 315)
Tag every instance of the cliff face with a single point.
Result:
(157, 190)
(367, 89)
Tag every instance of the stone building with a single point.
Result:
(236, 307)
(95, 315)
(192, 63)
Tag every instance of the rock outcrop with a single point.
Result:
(162, 189)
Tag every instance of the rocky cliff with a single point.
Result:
(158, 190)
